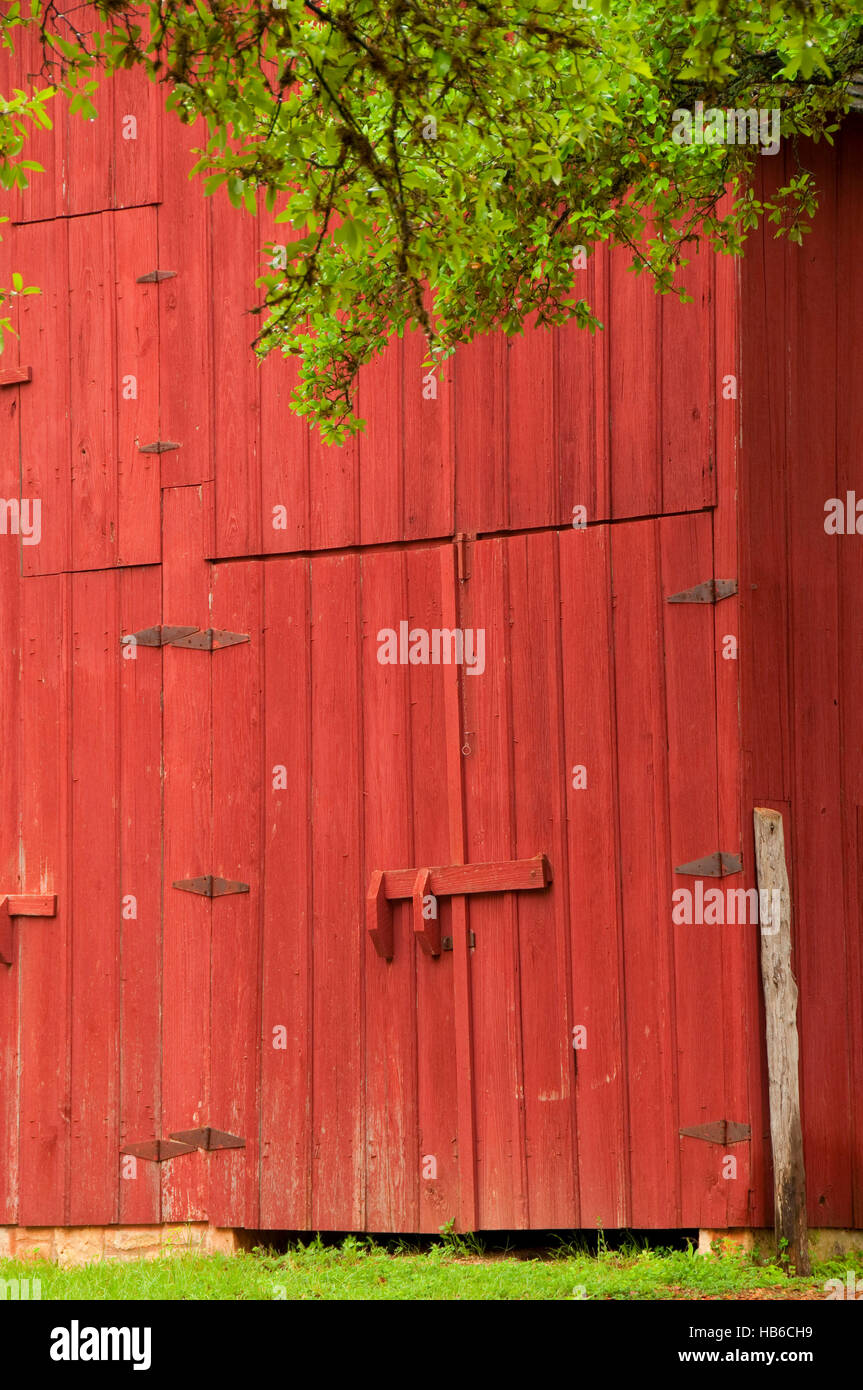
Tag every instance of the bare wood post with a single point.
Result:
(780, 1005)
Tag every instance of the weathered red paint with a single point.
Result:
(404, 1093)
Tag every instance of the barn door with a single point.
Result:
(538, 1069)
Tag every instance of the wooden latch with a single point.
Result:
(15, 376)
(715, 865)
(719, 1132)
(386, 885)
(711, 591)
(22, 905)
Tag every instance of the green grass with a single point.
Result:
(451, 1269)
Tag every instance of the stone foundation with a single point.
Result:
(78, 1245)
(825, 1243)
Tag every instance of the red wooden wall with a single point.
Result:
(125, 775)
(802, 649)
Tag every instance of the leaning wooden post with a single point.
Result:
(780, 1005)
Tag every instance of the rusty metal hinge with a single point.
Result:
(157, 1150)
(15, 376)
(212, 639)
(21, 905)
(153, 277)
(711, 591)
(209, 1139)
(446, 941)
(716, 865)
(210, 887)
(159, 446)
(157, 636)
(719, 1132)
(461, 553)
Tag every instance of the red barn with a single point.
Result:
(360, 867)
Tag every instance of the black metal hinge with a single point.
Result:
(719, 1132)
(158, 1150)
(209, 1139)
(716, 865)
(211, 639)
(157, 636)
(711, 591)
(210, 887)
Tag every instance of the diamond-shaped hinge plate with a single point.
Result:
(719, 1132)
(210, 887)
(209, 1139)
(211, 640)
(157, 636)
(711, 591)
(159, 446)
(716, 865)
(154, 277)
(157, 1150)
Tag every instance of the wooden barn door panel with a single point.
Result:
(91, 341)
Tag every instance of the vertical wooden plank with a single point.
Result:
(188, 852)
(90, 155)
(593, 852)
(93, 399)
(635, 347)
(393, 1164)
(780, 1009)
(44, 963)
(137, 390)
(42, 199)
(849, 419)
(481, 424)
(495, 972)
(338, 1127)
(334, 492)
(235, 1048)
(539, 792)
(582, 403)
(236, 412)
(285, 487)
(429, 769)
(139, 904)
(46, 448)
(532, 455)
(138, 122)
(427, 458)
(742, 1044)
(466, 1094)
(688, 387)
(10, 765)
(186, 381)
(380, 448)
(95, 977)
(817, 763)
(686, 551)
(645, 875)
(286, 1060)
